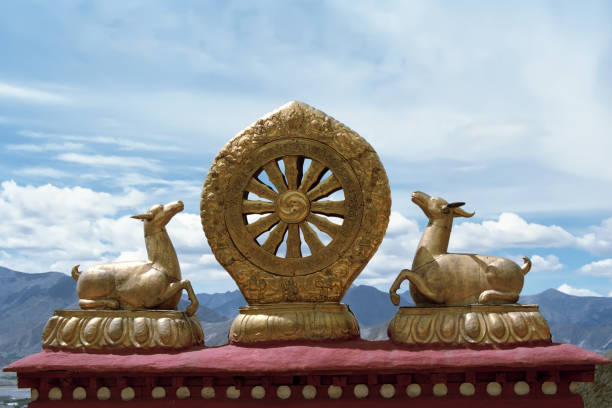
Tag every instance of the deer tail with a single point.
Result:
(75, 272)
(526, 266)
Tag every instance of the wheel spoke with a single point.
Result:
(324, 188)
(324, 225)
(291, 171)
(275, 238)
(257, 207)
(328, 207)
(312, 175)
(257, 187)
(262, 225)
(275, 176)
(293, 242)
(311, 238)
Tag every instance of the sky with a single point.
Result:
(110, 107)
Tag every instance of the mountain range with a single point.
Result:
(27, 300)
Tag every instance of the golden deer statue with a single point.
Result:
(152, 284)
(438, 277)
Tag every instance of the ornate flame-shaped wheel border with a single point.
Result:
(271, 213)
(294, 209)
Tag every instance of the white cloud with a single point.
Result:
(400, 225)
(508, 231)
(599, 239)
(35, 148)
(110, 161)
(140, 253)
(137, 179)
(44, 172)
(123, 143)
(51, 204)
(567, 289)
(512, 231)
(546, 263)
(394, 254)
(598, 268)
(50, 228)
(14, 92)
(48, 224)
(187, 234)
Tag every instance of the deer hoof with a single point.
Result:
(191, 309)
(395, 298)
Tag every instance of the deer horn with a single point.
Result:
(459, 212)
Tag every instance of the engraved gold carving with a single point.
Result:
(278, 186)
(469, 325)
(76, 330)
(293, 208)
(294, 321)
(296, 206)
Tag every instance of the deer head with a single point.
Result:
(158, 216)
(437, 208)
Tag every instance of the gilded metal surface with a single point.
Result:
(438, 277)
(78, 330)
(469, 325)
(152, 284)
(294, 207)
(294, 321)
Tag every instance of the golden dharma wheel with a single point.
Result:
(295, 206)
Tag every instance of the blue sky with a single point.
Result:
(109, 107)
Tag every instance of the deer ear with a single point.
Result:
(455, 205)
(142, 216)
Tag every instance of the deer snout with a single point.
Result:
(174, 207)
(419, 197)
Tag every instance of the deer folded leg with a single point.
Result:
(422, 287)
(193, 307)
(395, 298)
(175, 287)
(493, 297)
(99, 304)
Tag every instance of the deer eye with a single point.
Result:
(155, 209)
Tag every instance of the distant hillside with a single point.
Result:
(226, 304)
(204, 313)
(581, 320)
(28, 300)
(371, 306)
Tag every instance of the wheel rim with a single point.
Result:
(278, 200)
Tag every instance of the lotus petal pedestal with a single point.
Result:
(122, 330)
(294, 321)
(493, 325)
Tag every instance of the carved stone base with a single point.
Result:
(293, 321)
(495, 325)
(121, 330)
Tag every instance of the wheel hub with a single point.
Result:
(293, 206)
